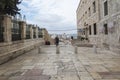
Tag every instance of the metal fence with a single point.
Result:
(16, 30)
(1, 30)
(27, 32)
(40, 35)
(34, 32)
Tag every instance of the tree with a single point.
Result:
(9, 7)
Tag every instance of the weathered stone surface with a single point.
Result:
(67, 65)
(14, 50)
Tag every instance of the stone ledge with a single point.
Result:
(5, 57)
(84, 45)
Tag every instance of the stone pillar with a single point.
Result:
(7, 24)
(23, 30)
(31, 31)
(57, 49)
(76, 49)
(94, 48)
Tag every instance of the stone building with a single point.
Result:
(47, 36)
(87, 19)
(109, 24)
(99, 21)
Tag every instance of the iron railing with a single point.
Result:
(40, 35)
(27, 32)
(16, 31)
(1, 30)
(34, 33)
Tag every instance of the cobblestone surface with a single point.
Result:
(47, 65)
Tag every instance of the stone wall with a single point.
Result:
(11, 48)
(111, 40)
(10, 51)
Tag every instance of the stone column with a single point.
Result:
(23, 29)
(36, 32)
(7, 24)
(31, 31)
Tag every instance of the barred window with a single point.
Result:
(105, 8)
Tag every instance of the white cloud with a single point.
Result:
(51, 14)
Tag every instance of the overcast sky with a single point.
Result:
(51, 14)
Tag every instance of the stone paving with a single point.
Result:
(47, 65)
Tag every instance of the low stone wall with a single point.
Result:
(83, 43)
(14, 49)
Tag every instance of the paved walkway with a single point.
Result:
(47, 65)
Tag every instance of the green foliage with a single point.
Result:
(9, 7)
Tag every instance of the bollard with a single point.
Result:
(39, 50)
(76, 49)
(94, 49)
(57, 50)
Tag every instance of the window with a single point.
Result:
(105, 8)
(90, 30)
(106, 29)
(89, 11)
(94, 7)
(95, 29)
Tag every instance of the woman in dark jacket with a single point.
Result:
(56, 41)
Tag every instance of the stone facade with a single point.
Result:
(88, 16)
(106, 15)
(110, 23)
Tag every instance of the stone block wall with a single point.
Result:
(111, 40)
(107, 13)
(10, 51)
